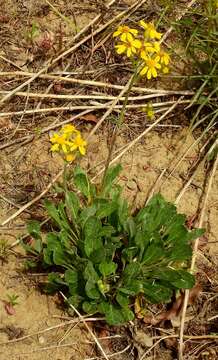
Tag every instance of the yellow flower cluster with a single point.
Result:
(144, 46)
(68, 142)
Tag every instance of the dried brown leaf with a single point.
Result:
(89, 117)
(10, 310)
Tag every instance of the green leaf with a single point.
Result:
(64, 220)
(122, 299)
(47, 256)
(82, 183)
(179, 252)
(107, 230)
(132, 288)
(60, 257)
(156, 292)
(103, 307)
(53, 212)
(132, 271)
(130, 227)
(106, 210)
(114, 315)
(38, 245)
(71, 277)
(153, 254)
(75, 300)
(92, 239)
(185, 281)
(128, 315)
(55, 282)
(123, 212)
(92, 290)
(111, 175)
(72, 203)
(129, 253)
(86, 214)
(34, 229)
(107, 268)
(90, 307)
(90, 273)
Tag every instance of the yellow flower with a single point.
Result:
(130, 47)
(146, 48)
(165, 70)
(150, 111)
(150, 31)
(67, 142)
(164, 57)
(55, 147)
(70, 157)
(125, 33)
(69, 129)
(151, 64)
(55, 138)
(79, 143)
(156, 46)
(59, 140)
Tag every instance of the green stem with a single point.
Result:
(120, 121)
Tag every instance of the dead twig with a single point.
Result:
(82, 319)
(73, 48)
(97, 83)
(195, 251)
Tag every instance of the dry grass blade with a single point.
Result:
(189, 5)
(73, 48)
(84, 96)
(98, 83)
(33, 201)
(73, 321)
(82, 319)
(88, 107)
(201, 221)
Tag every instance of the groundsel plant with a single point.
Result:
(143, 47)
(68, 142)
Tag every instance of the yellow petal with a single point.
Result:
(137, 44)
(144, 70)
(129, 52)
(69, 129)
(123, 37)
(73, 147)
(166, 59)
(116, 33)
(53, 139)
(64, 148)
(82, 150)
(152, 34)
(129, 37)
(143, 24)
(149, 74)
(143, 55)
(55, 147)
(158, 35)
(120, 48)
(165, 70)
(133, 31)
(157, 46)
(70, 157)
(154, 72)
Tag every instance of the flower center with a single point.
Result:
(150, 63)
(125, 29)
